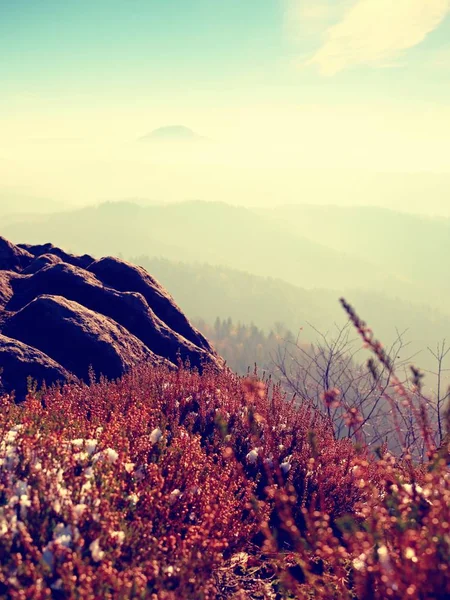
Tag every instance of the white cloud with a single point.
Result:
(305, 18)
(373, 32)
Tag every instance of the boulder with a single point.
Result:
(129, 309)
(12, 257)
(126, 277)
(41, 261)
(40, 249)
(20, 361)
(78, 338)
(6, 289)
(62, 315)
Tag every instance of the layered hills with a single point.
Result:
(230, 236)
(67, 317)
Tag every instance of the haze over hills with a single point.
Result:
(206, 292)
(289, 264)
(232, 236)
(325, 247)
(406, 243)
(13, 202)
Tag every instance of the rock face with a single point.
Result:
(125, 277)
(13, 258)
(68, 315)
(49, 249)
(41, 261)
(20, 361)
(77, 337)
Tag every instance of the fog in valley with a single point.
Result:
(285, 265)
(259, 181)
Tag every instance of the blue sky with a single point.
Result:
(50, 42)
(290, 83)
(156, 46)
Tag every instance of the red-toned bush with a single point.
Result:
(168, 484)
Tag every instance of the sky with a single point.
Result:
(300, 100)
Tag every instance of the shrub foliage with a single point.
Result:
(170, 484)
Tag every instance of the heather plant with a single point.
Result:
(395, 543)
(170, 484)
(134, 506)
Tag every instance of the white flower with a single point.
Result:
(24, 503)
(37, 465)
(169, 570)
(119, 536)
(78, 443)
(3, 526)
(13, 501)
(359, 563)
(383, 555)
(111, 455)
(81, 456)
(96, 552)
(155, 435)
(8, 522)
(174, 495)
(12, 434)
(252, 456)
(79, 509)
(90, 446)
(412, 491)
(133, 498)
(410, 554)
(63, 535)
(86, 488)
(129, 467)
(9, 457)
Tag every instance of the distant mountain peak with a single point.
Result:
(172, 133)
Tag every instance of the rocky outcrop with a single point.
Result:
(6, 289)
(41, 261)
(81, 314)
(20, 362)
(129, 309)
(78, 338)
(40, 249)
(125, 277)
(13, 258)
